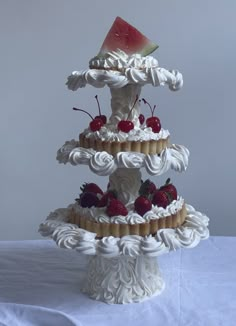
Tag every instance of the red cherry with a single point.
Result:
(125, 125)
(100, 116)
(96, 124)
(154, 123)
(161, 199)
(141, 119)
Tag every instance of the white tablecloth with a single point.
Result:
(40, 285)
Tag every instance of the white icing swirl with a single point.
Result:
(64, 152)
(102, 163)
(179, 157)
(130, 246)
(108, 247)
(119, 60)
(129, 160)
(175, 157)
(118, 69)
(152, 248)
(70, 236)
(81, 155)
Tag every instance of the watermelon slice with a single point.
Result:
(127, 38)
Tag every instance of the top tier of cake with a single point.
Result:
(124, 65)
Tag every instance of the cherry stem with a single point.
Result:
(84, 112)
(99, 109)
(136, 99)
(152, 110)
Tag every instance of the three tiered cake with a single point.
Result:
(132, 217)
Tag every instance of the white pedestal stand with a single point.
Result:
(123, 279)
(124, 270)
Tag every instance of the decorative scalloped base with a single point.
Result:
(123, 279)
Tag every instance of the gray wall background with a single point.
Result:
(44, 41)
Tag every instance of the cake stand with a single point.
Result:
(124, 270)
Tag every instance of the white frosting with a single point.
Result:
(119, 60)
(67, 235)
(132, 70)
(122, 279)
(98, 214)
(125, 75)
(110, 133)
(102, 163)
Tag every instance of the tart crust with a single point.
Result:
(113, 147)
(120, 230)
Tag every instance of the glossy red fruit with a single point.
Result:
(96, 124)
(116, 207)
(102, 117)
(154, 123)
(161, 199)
(141, 119)
(91, 187)
(142, 205)
(170, 189)
(147, 188)
(125, 125)
(88, 199)
(107, 196)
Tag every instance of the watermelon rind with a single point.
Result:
(123, 36)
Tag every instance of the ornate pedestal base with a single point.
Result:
(123, 279)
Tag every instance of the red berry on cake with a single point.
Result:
(116, 207)
(88, 199)
(153, 122)
(147, 188)
(161, 199)
(96, 123)
(141, 119)
(100, 116)
(107, 196)
(170, 188)
(142, 205)
(127, 125)
(91, 187)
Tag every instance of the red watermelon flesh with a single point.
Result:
(127, 38)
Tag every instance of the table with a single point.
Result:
(40, 285)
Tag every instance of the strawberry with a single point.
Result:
(142, 205)
(91, 187)
(116, 207)
(170, 188)
(161, 199)
(147, 188)
(88, 199)
(107, 196)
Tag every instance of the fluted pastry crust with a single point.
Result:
(114, 147)
(120, 230)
